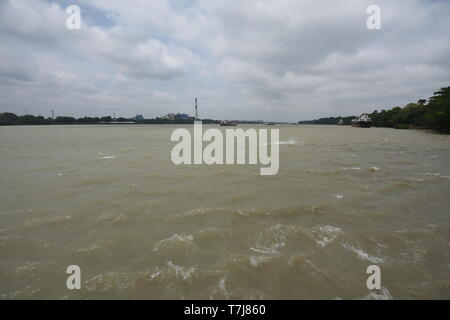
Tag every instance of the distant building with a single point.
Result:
(139, 117)
(178, 116)
(182, 116)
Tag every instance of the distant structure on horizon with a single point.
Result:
(182, 116)
(170, 116)
(196, 109)
(178, 116)
(363, 121)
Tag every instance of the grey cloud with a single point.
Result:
(17, 66)
(273, 60)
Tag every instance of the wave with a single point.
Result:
(37, 222)
(112, 218)
(251, 212)
(362, 254)
(175, 242)
(92, 249)
(437, 174)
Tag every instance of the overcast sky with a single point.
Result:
(280, 60)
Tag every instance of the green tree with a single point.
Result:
(64, 120)
(8, 118)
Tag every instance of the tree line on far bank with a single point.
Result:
(434, 115)
(8, 118)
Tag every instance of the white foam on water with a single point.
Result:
(383, 295)
(289, 142)
(173, 241)
(271, 240)
(339, 196)
(27, 291)
(107, 157)
(29, 268)
(155, 275)
(114, 218)
(438, 174)
(109, 281)
(352, 168)
(92, 248)
(325, 234)
(222, 287)
(52, 221)
(181, 272)
(264, 250)
(200, 212)
(362, 254)
(257, 260)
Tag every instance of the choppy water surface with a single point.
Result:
(110, 200)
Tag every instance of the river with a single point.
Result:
(109, 200)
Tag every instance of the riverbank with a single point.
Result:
(430, 114)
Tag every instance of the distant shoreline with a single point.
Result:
(434, 115)
(11, 119)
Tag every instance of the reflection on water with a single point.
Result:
(109, 200)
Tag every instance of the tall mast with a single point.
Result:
(196, 110)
